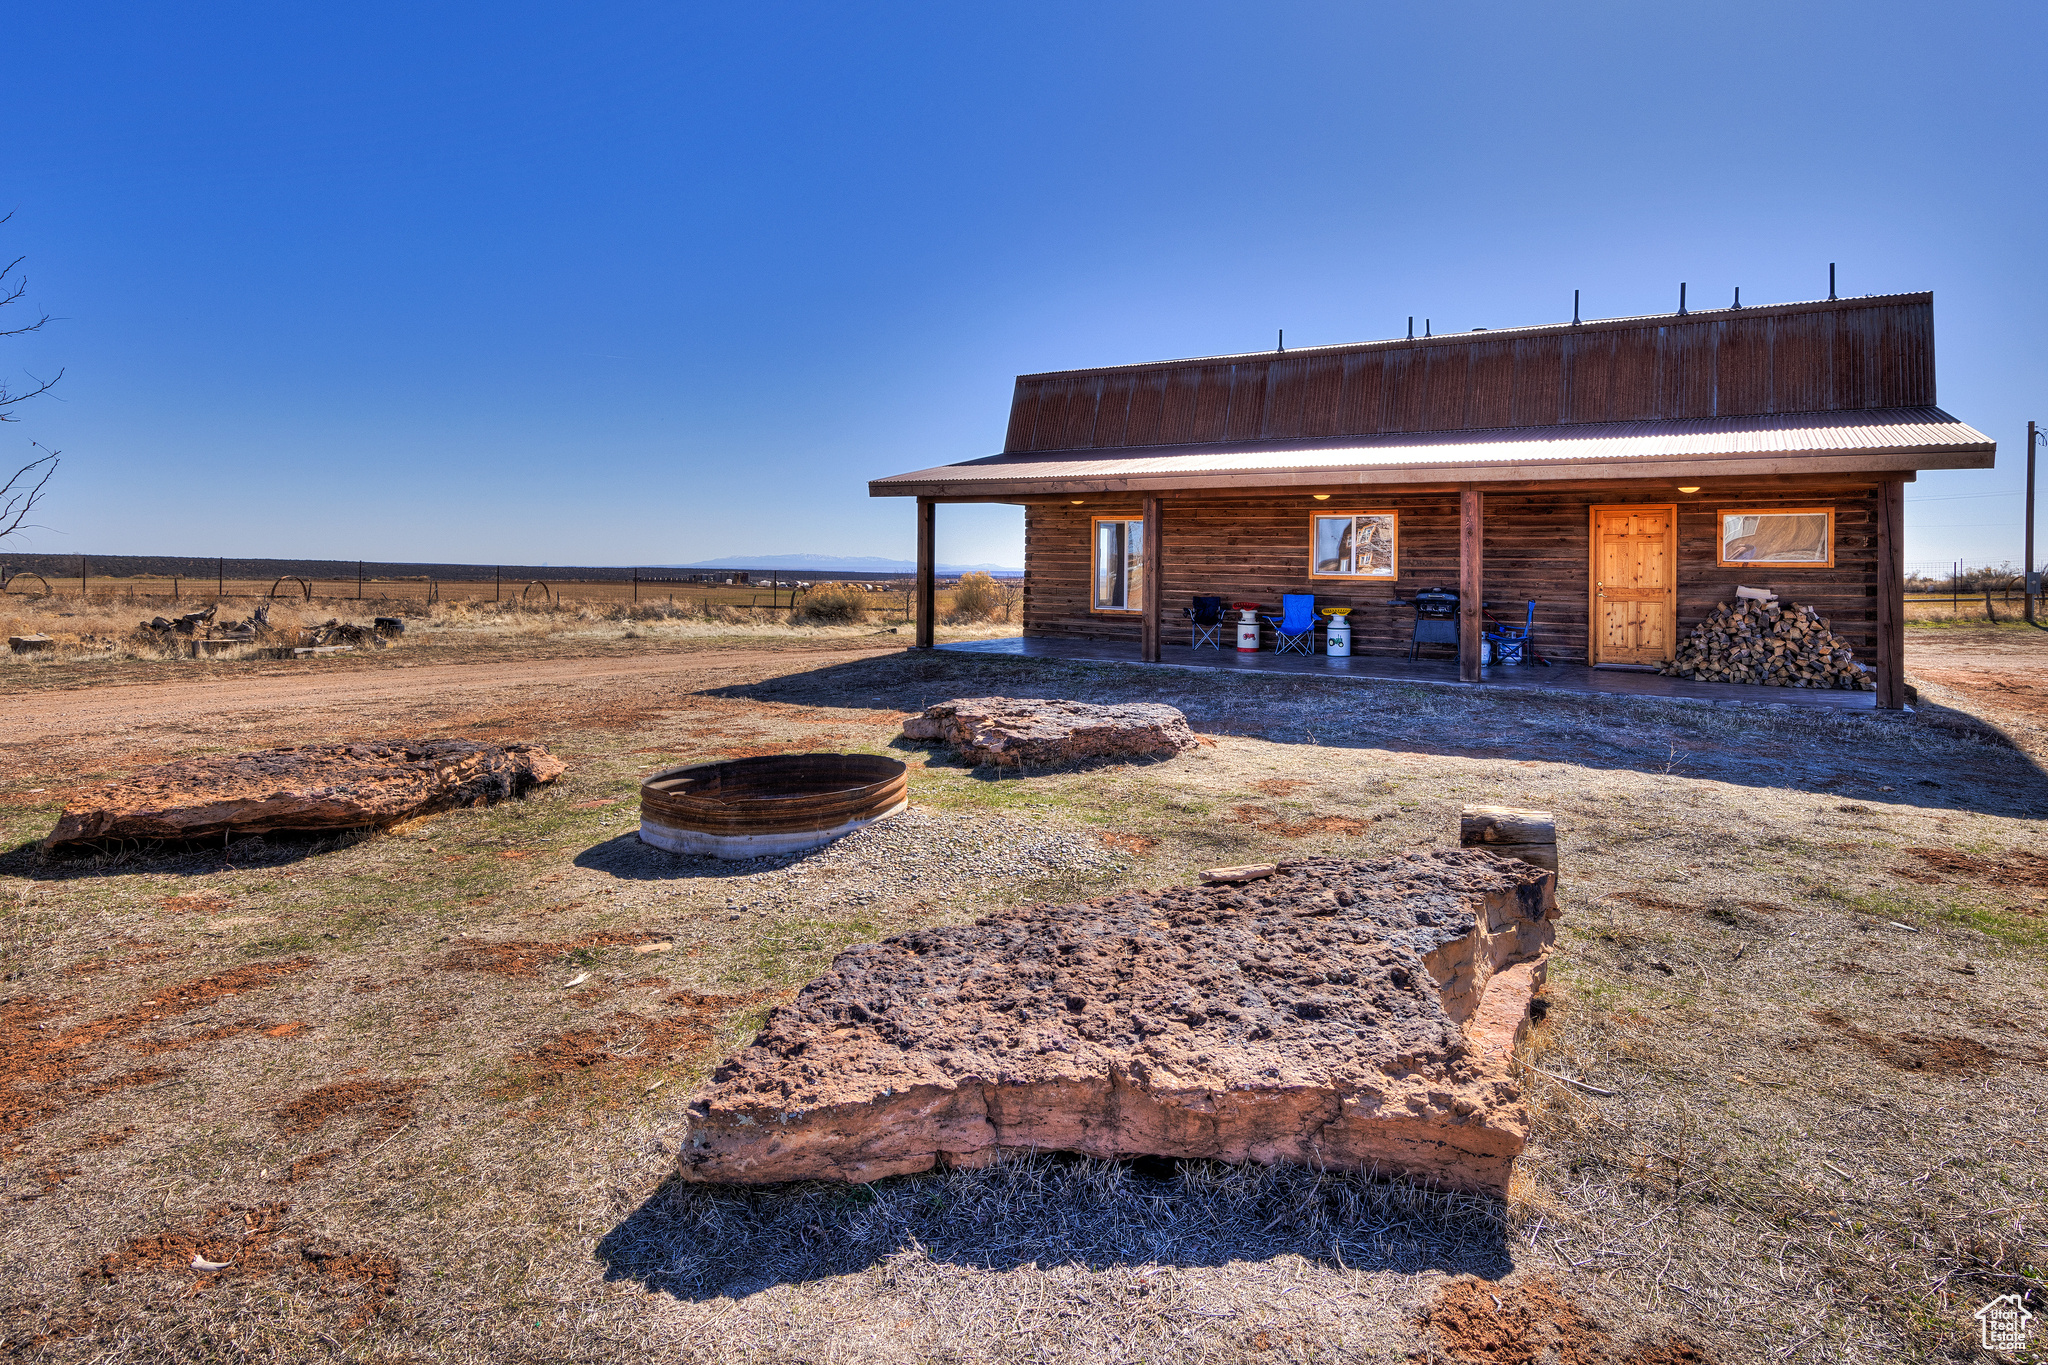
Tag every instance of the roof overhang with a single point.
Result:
(1873, 441)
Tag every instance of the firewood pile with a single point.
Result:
(1771, 644)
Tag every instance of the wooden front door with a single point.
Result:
(1635, 583)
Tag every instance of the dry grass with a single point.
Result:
(103, 628)
(1823, 1141)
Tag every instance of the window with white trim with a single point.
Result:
(1119, 563)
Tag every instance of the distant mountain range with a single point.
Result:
(854, 564)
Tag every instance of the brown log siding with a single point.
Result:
(1256, 548)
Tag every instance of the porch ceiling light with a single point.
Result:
(1077, 502)
(1694, 489)
(1320, 497)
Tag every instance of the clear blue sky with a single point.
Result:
(645, 284)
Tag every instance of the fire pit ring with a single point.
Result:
(756, 807)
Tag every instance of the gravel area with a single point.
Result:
(917, 855)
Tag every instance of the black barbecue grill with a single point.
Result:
(1436, 619)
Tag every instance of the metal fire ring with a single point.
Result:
(756, 807)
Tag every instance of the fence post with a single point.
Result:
(81, 578)
(220, 579)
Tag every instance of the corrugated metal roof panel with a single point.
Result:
(1567, 450)
(1838, 355)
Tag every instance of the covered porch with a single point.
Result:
(1571, 678)
(1633, 478)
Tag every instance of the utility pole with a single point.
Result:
(220, 579)
(2029, 566)
(359, 580)
(81, 578)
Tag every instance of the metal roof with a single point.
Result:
(1888, 439)
(1834, 355)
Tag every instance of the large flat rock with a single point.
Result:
(1355, 1015)
(1047, 732)
(315, 788)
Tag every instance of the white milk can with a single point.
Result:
(1339, 633)
(1248, 629)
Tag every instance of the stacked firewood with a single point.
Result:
(1773, 644)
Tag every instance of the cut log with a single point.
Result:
(1489, 825)
(1512, 832)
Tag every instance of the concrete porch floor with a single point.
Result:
(1607, 682)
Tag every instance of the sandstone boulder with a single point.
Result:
(316, 788)
(1047, 732)
(1354, 1015)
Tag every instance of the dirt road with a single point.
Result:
(509, 684)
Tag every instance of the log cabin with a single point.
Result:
(1625, 475)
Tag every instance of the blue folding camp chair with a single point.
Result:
(1295, 628)
(1511, 646)
(1205, 622)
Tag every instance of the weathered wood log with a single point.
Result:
(1489, 825)
(1512, 832)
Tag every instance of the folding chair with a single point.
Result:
(1510, 646)
(1205, 622)
(1295, 628)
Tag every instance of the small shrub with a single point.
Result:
(977, 598)
(834, 604)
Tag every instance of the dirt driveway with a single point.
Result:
(381, 691)
(1999, 674)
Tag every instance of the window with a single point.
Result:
(1782, 538)
(1119, 563)
(1352, 545)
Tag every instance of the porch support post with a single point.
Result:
(1148, 589)
(927, 570)
(1891, 595)
(1471, 579)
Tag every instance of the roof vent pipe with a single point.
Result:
(1738, 296)
(1283, 339)
(1575, 307)
(1425, 326)
(1831, 281)
(1681, 298)
(1411, 327)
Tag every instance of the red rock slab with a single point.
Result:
(316, 788)
(1351, 1014)
(1044, 732)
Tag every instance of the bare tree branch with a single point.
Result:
(24, 489)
